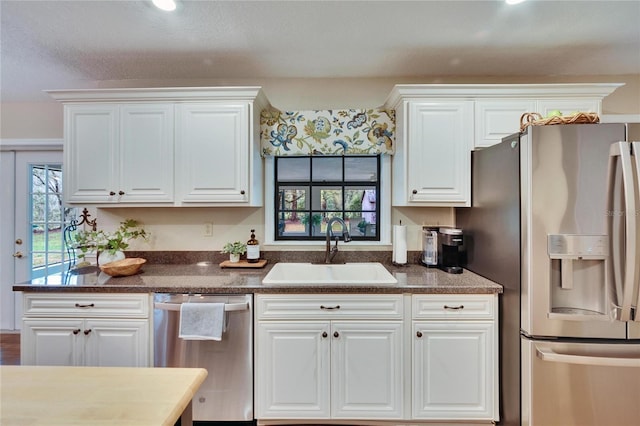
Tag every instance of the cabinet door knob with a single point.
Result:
(242, 192)
(76, 331)
(112, 193)
(414, 192)
(419, 334)
(324, 334)
(336, 334)
(120, 192)
(86, 332)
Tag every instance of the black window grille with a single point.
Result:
(311, 190)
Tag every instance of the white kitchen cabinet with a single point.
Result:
(438, 124)
(212, 153)
(329, 357)
(86, 330)
(498, 118)
(118, 153)
(431, 166)
(163, 147)
(568, 106)
(455, 357)
(293, 369)
(95, 342)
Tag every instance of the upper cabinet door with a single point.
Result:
(438, 150)
(498, 118)
(146, 153)
(118, 154)
(213, 153)
(90, 153)
(568, 106)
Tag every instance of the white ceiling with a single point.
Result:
(80, 44)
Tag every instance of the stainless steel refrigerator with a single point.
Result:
(555, 219)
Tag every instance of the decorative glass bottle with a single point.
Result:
(253, 248)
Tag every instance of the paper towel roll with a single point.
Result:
(400, 244)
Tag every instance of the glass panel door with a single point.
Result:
(48, 220)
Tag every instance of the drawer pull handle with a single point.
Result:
(86, 332)
(454, 307)
(324, 334)
(90, 305)
(329, 308)
(76, 331)
(419, 334)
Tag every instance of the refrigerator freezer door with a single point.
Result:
(564, 182)
(580, 384)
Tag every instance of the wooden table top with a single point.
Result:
(39, 395)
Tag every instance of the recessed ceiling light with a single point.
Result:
(508, 1)
(167, 5)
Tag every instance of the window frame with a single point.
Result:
(312, 184)
(384, 201)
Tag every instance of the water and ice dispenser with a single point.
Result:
(579, 274)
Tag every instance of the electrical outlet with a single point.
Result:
(208, 229)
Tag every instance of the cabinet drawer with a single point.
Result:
(330, 306)
(436, 306)
(87, 305)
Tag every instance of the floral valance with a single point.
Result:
(327, 132)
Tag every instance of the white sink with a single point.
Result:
(310, 273)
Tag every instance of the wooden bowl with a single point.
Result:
(124, 267)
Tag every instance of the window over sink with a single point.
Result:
(353, 187)
(311, 190)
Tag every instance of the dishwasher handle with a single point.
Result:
(228, 307)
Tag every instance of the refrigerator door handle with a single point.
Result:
(635, 148)
(548, 354)
(624, 286)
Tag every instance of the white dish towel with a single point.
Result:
(201, 321)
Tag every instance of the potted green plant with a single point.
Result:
(109, 246)
(362, 226)
(235, 249)
(316, 219)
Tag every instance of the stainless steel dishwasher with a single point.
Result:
(227, 393)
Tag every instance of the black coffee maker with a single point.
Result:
(450, 250)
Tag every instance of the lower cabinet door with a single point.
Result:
(292, 365)
(52, 341)
(453, 370)
(86, 342)
(117, 343)
(366, 370)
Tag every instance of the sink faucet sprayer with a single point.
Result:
(331, 252)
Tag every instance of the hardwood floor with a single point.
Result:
(10, 349)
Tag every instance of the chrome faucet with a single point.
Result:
(331, 252)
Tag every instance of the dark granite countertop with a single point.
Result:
(209, 277)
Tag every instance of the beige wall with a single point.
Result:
(183, 228)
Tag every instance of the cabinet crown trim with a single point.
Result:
(402, 92)
(164, 94)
